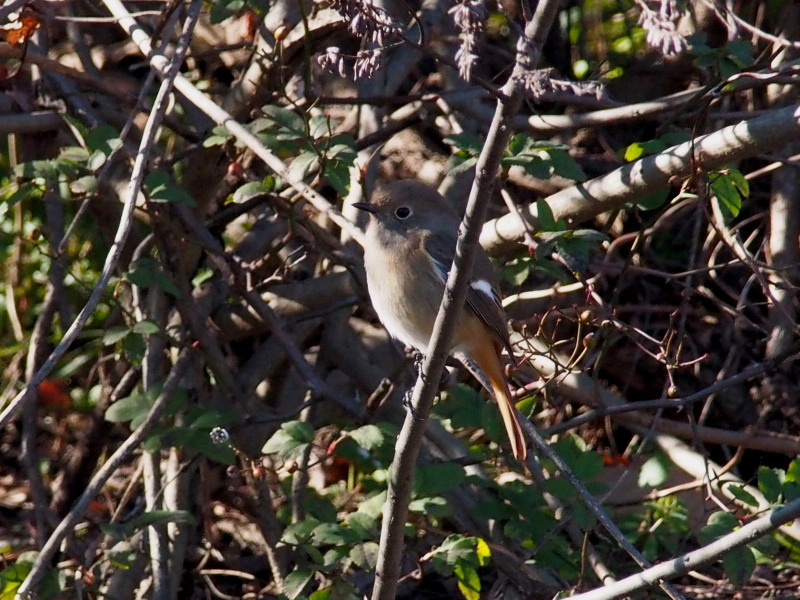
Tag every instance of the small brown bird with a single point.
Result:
(409, 248)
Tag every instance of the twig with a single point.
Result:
(688, 562)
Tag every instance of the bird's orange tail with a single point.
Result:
(488, 361)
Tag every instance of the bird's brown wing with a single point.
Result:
(483, 298)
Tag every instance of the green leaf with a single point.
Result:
(249, 190)
(547, 219)
(459, 164)
(161, 189)
(337, 173)
(653, 200)
(23, 192)
(742, 494)
(365, 556)
(469, 142)
(770, 482)
(288, 122)
(469, 584)
(566, 166)
(432, 480)
(739, 566)
(334, 534)
(462, 406)
(654, 471)
(146, 273)
(719, 523)
(793, 472)
(435, 506)
(296, 581)
(115, 334)
(290, 441)
(730, 187)
(634, 151)
(84, 185)
(146, 328)
(300, 532)
(122, 555)
(368, 437)
(482, 552)
(517, 271)
(134, 407)
(303, 164)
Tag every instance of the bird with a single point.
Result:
(409, 245)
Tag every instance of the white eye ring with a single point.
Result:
(402, 212)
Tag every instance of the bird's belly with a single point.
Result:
(407, 302)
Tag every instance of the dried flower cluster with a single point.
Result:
(468, 16)
(539, 82)
(662, 27)
(370, 23)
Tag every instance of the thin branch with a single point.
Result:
(693, 560)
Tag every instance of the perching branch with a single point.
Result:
(411, 435)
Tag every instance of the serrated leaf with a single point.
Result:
(334, 534)
(290, 441)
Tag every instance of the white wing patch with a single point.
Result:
(485, 288)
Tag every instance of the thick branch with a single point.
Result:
(631, 182)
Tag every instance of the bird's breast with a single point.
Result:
(404, 290)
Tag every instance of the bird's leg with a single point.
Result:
(419, 359)
(407, 397)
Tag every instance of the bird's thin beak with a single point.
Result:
(366, 206)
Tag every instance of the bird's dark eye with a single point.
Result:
(403, 212)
